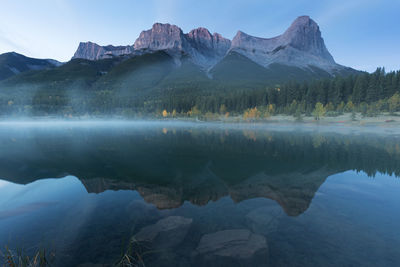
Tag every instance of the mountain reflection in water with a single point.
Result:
(208, 195)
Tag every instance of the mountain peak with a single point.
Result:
(305, 26)
(300, 45)
(202, 37)
(165, 27)
(304, 34)
(303, 23)
(160, 37)
(200, 34)
(240, 34)
(201, 30)
(303, 20)
(206, 49)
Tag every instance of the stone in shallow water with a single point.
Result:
(264, 220)
(237, 246)
(166, 233)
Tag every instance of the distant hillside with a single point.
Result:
(160, 69)
(236, 68)
(12, 64)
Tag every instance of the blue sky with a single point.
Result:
(362, 34)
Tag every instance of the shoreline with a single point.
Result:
(327, 125)
(345, 119)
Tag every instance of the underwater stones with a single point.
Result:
(236, 246)
(166, 233)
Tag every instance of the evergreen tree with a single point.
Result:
(360, 87)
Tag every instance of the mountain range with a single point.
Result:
(164, 63)
(301, 45)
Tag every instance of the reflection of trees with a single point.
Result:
(168, 166)
(157, 155)
(318, 140)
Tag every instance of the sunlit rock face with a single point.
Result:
(161, 37)
(92, 51)
(203, 48)
(202, 40)
(301, 45)
(207, 49)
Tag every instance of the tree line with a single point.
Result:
(368, 93)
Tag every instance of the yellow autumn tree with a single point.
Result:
(164, 113)
(340, 107)
(329, 107)
(394, 103)
(222, 109)
(319, 111)
(271, 108)
(349, 106)
(209, 116)
(266, 114)
(252, 113)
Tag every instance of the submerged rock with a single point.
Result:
(166, 233)
(232, 247)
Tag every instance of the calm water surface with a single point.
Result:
(165, 194)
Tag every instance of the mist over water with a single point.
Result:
(275, 194)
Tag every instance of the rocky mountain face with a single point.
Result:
(200, 45)
(293, 191)
(94, 51)
(203, 48)
(14, 63)
(301, 45)
(206, 49)
(161, 37)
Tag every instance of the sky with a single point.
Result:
(363, 34)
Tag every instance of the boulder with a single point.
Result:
(166, 233)
(232, 247)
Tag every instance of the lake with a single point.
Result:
(200, 194)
